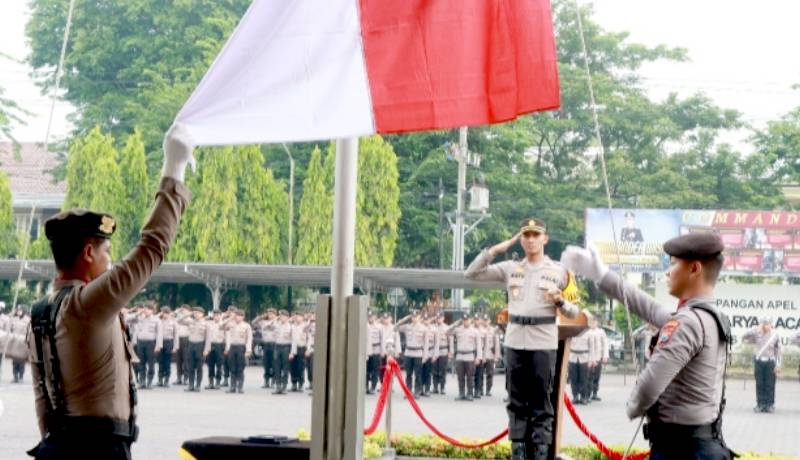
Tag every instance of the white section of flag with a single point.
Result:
(293, 70)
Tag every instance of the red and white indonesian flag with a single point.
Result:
(298, 70)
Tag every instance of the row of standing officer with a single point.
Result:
(288, 349)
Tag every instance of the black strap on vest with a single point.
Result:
(43, 325)
(724, 326)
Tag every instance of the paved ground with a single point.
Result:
(170, 416)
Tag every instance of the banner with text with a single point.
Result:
(757, 242)
(746, 304)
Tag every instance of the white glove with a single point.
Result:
(178, 147)
(584, 262)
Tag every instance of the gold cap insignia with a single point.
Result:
(531, 223)
(107, 225)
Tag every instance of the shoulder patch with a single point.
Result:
(665, 334)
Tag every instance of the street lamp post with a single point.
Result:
(291, 216)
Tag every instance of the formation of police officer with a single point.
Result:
(766, 363)
(148, 338)
(415, 351)
(376, 351)
(79, 346)
(263, 323)
(238, 348)
(169, 344)
(598, 357)
(535, 288)
(15, 348)
(681, 391)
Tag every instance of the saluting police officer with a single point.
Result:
(375, 351)
(149, 340)
(535, 286)
(238, 347)
(682, 389)
(198, 346)
(284, 351)
(264, 324)
(182, 355)
(441, 330)
(465, 348)
(83, 382)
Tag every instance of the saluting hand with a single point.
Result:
(505, 245)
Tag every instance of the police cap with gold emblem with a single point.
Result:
(695, 246)
(532, 224)
(79, 223)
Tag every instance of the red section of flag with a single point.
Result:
(447, 63)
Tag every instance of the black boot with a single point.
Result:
(539, 452)
(595, 397)
(224, 383)
(241, 385)
(232, 389)
(191, 385)
(266, 384)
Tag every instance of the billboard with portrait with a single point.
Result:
(756, 242)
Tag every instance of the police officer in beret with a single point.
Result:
(682, 389)
(83, 382)
(536, 288)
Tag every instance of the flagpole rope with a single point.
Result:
(59, 67)
(604, 170)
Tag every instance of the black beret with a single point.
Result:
(695, 246)
(532, 224)
(79, 223)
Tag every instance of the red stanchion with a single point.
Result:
(612, 454)
(386, 388)
(396, 369)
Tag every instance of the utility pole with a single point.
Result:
(458, 231)
(291, 218)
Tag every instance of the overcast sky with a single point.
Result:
(743, 54)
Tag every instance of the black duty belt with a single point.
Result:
(531, 320)
(94, 426)
(672, 432)
(579, 352)
(287, 345)
(413, 348)
(473, 352)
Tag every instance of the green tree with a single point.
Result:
(136, 192)
(130, 63)
(8, 237)
(314, 224)
(239, 214)
(378, 203)
(93, 178)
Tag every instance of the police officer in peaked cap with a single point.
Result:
(681, 391)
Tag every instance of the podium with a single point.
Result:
(567, 329)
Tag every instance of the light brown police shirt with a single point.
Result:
(90, 338)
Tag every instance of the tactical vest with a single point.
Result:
(43, 326)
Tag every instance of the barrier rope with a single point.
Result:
(612, 454)
(393, 370)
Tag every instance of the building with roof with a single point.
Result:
(31, 183)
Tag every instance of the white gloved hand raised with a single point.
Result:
(584, 262)
(178, 147)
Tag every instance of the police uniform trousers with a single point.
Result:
(237, 363)
(194, 363)
(488, 374)
(681, 442)
(165, 359)
(765, 382)
(68, 446)
(594, 378)
(529, 381)
(182, 360)
(214, 360)
(427, 375)
(465, 371)
(478, 379)
(440, 371)
(226, 368)
(268, 350)
(281, 363)
(578, 380)
(373, 371)
(299, 367)
(18, 369)
(413, 368)
(146, 351)
(310, 369)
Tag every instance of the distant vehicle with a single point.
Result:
(616, 344)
